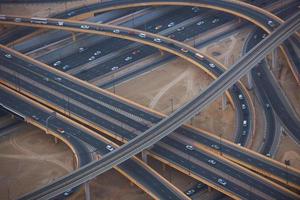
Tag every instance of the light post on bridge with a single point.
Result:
(53, 114)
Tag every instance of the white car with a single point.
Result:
(189, 147)
(66, 67)
(264, 36)
(97, 53)
(61, 130)
(212, 65)
(180, 29)
(211, 161)
(245, 123)
(215, 146)
(171, 24)
(92, 58)
(215, 20)
(60, 23)
(84, 26)
(195, 9)
(243, 106)
(8, 56)
(142, 35)
(109, 147)
(271, 23)
(200, 23)
(57, 63)
(18, 19)
(35, 117)
(190, 192)
(81, 49)
(128, 58)
(157, 40)
(114, 68)
(57, 79)
(241, 96)
(116, 31)
(222, 182)
(67, 192)
(184, 50)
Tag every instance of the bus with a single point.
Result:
(36, 20)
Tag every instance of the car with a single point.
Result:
(184, 50)
(68, 192)
(215, 20)
(60, 23)
(61, 130)
(158, 27)
(244, 132)
(222, 182)
(200, 23)
(267, 105)
(239, 144)
(171, 24)
(35, 117)
(190, 192)
(211, 161)
(241, 96)
(180, 29)
(243, 106)
(212, 65)
(215, 146)
(71, 13)
(264, 36)
(268, 154)
(81, 49)
(157, 40)
(114, 68)
(189, 147)
(171, 36)
(84, 26)
(57, 63)
(116, 31)
(199, 55)
(92, 58)
(195, 9)
(136, 52)
(199, 185)
(66, 67)
(18, 19)
(128, 58)
(245, 123)
(255, 36)
(8, 56)
(57, 79)
(271, 23)
(46, 79)
(97, 53)
(142, 35)
(109, 147)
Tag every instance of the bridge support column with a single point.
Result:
(55, 140)
(73, 36)
(145, 156)
(249, 79)
(87, 191)
(224, 101)
(274, 59)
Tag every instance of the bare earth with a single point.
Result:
(178, 81)
(29, 159)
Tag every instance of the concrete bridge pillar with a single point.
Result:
(87, 191)
(145, 156)
(250, 82)
(224, 101)
(55, 140)
(73, 36)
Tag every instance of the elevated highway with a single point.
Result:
(134, 170)
(169, 124)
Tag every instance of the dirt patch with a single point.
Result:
(288, 149)
(29, 159)
(175, 83)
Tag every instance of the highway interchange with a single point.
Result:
(48, 80)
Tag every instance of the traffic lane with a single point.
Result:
(64, 104)
(70, 94)
(203, 172)
(221, 165)
(114, 44)
(236, 153)
(76, 136)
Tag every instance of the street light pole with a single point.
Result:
(53, 114)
